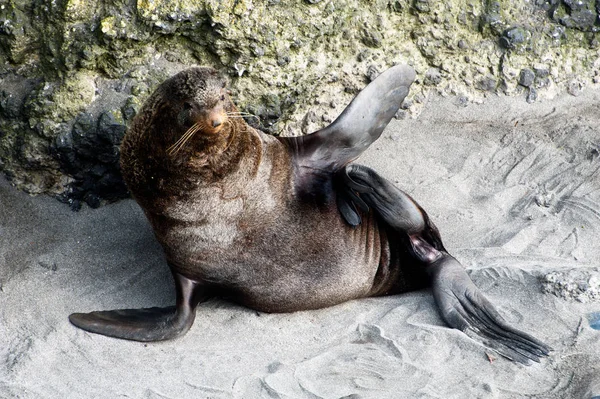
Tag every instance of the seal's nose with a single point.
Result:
(216, 122)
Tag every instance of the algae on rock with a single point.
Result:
(73, 73)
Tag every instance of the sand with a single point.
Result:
(515, 191)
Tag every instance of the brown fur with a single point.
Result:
(227, 210)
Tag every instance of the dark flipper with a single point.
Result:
(461, 303)
(348, 198)
(151, 324)
(359, 125)
(464, 307)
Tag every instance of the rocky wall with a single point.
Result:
(73, 73)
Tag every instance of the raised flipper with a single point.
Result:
(357, 127)
(461, 303)
(150, 324)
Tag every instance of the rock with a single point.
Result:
(433, 77)
(111, 128)
(65, 59)
(422, 5)
(526, 77)
(309, 122)
(487, 83)
(532, 96)
(574, 284)
(515, 38)
(10, 106)
(372, 73)
(575, 87)
(371, 37)
(577, 14)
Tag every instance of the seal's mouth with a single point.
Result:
(210, 124)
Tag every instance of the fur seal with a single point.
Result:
(282, 224)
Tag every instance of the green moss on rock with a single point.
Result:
(294, 65)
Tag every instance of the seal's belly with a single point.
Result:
(278, 264)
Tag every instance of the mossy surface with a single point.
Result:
(67, 64)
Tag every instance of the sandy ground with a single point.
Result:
(515, 191)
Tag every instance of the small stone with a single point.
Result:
(543, 200)
(9, 105)
(422, 6)
(581, 15)
(284, 60)
(400, 115)
(406, 104)
(574, 88)
(486, 84)
(515, 38)
(98, 170)
(92, 200)
(526, 77)
(372, 38)
(433, 77)
(531, 95)
(47, 263)
(397, 6)
(326, 118)
(74, 204)
(372, 73)
(258, 51)
(541, 72)
(363, 55)
(463, 101)
(308, 122)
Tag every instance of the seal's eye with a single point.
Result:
(223, 97)
(187, 106)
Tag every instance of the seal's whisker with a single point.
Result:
(179, 144)
(183, 139)
(232, 135)
(182, 142)
(241, 114)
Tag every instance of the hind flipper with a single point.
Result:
(461, 303)
(464, 307)
(150, 324)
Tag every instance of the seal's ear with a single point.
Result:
(358, 126)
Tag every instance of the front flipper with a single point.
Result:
(357, 127)
(461, 303)
(465, 308)
(151, 324)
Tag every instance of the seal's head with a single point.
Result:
(187, 128)
(199, 100)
